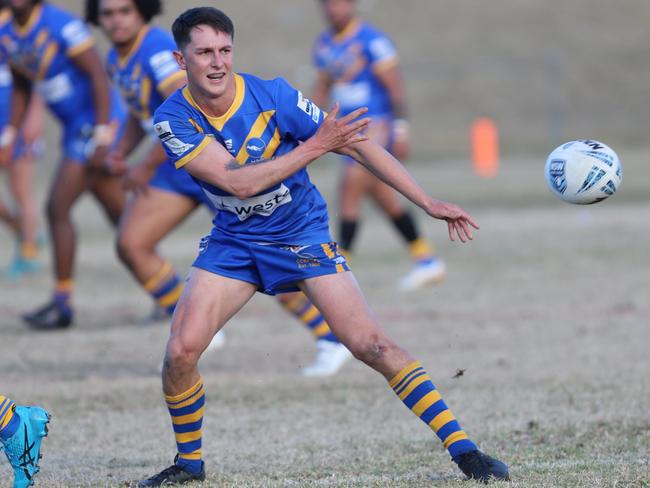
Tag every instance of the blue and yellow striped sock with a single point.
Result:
(304, 310)
(165, 287)
(186, 411)
(421, 251)
(414, 387)
(9, 420)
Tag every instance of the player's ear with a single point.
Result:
(178, 56)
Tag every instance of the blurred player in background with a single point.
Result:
(23, 219)
(141, 63)
(357, 67)
(21, 431)
(52, 51)
(248, 142)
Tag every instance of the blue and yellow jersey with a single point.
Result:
(144, 73)
(42, 49)
(352, 60)
(267, 119)
(5, 77)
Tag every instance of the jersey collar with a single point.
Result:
(348, 31)
(34, 17)
(220, 121)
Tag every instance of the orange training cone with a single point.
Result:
(484, 136)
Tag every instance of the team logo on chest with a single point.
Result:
(255, 147)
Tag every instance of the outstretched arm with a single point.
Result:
(391, 171)
(216, 166)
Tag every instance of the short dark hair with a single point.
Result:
(189, 19)
(148, 9)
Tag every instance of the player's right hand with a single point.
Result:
(334, 134)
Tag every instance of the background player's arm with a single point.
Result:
(21, 95)
(216, 166)
(391, 79)
(322, 89)
(89, 63)
(393, 173)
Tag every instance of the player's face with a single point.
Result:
(339, 12)
(20, 5)
(120, 20)
(208, 60)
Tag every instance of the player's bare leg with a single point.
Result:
(68, 184)
(109, 193)
(331, 355)
(340, 299)
(207, 303)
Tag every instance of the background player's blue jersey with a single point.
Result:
(5, 78)
(351, 60)
(267, 119)
(42, 51)
(144, 73)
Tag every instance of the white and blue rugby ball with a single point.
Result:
(583, 172)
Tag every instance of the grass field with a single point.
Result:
(546, 311)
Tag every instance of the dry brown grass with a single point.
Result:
(547, 311)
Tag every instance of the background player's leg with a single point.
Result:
(21, 174)
(354, 185)
(109, 192)
(331, 354)
(147, 219)
(207, 303)
(339, 298)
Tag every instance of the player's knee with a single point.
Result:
(372, 350)
(180, 357)
(55, 211)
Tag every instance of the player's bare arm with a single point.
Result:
(391, 79)
(322, 89)
(216, 166)
(89, 63)
(393, 173)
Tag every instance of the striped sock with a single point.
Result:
(186, 411)
(28, 250)
(63, 293)
(414, 387)
(301, 307)
(9, 421)
(165, 287)
(421, 251)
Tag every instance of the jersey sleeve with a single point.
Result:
(182, 140)
(381, 52)
(297, 116)
(161, 65)
(73, 34)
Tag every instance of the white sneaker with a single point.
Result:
(157, 315)
(424, 274)
(330, 357)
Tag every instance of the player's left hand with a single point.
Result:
(99, 160)
(459, 222)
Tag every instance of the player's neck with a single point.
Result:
(22, 16)
(125, 48)
(215, 106)
(345, 28)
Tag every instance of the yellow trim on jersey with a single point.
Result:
(46, 60)
(81, 47)
(220, 121)
(177, 75)
(348, 31)
(195, 152)
(123, 60)
(33, 19)
(196, 126)
(273, 144)
(384, 65)
(41, 38)
(258, 128)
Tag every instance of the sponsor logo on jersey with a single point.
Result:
(174, 144)
(263, 205)
(255, 147)
(308, 107)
